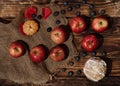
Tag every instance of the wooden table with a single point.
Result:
(111, 41)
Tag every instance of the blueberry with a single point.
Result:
(91, 6)
(102, 12)
(78, 13)
(65, 3)
(63, 69)
(62, 11)
(39, 16)
(56, 13)
(84, 1)
(33, 15)
(71, 63)
(104, 53)
(84, 54)
(49, 29)
(79, 72)
(70, 73)
(77, 5)
(93, 53)
(77, 58)
(57, 21)
(70, 8)
(92, 13)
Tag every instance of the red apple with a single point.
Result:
(29, 11)
(90, 43)
(46, 12)
(17, 49)
(59, 35)
(38, 53)
(58, 53)
(78, 24)
(21, 28)
(99, 24)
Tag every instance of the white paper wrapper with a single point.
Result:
(95, 69)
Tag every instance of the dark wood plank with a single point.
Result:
(9, 10)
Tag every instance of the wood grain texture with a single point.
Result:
(111, 43)
(9, 6)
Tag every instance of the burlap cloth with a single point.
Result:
(23, 70)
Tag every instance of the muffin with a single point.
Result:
(95, 69)
(30, 27)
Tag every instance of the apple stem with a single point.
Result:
(16, 49)
(79, 25)
(35, 52)
(57, 53)
(56, 34)
(101, 23)
(89, 42)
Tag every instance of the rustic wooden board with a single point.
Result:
(111, 42)
(112, 7)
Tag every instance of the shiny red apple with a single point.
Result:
(59, 35)
(58, 53)
(100, 24)
(78, 24)
(17, 49)
(29, 11)
(46, 12)
(21, 28)
(38, 53)
(90, 43)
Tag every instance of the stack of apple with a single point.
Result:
(40, 52)
(90, 42)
